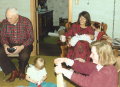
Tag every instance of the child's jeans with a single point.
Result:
(44, 84)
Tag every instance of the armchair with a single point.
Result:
(102, 35)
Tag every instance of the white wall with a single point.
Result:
(117, 19)
(60, 9)
(23, 7)
(101, 11)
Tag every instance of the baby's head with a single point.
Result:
(96, 25)
(39, 63)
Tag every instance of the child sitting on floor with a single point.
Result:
(36, 74)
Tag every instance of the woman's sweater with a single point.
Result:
(105, 77)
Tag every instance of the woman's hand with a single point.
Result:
(68, 61)
(91, 37)
(80, 59)
(60, 60)
(58, 70)
(65, 72)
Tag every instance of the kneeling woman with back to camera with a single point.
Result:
(100, 73)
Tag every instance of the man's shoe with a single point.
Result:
(13, 76)
(22, 76)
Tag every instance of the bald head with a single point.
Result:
(12, 15)
(12, 11)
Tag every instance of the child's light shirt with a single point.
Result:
(36, 74)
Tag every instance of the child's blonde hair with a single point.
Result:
(39, 63)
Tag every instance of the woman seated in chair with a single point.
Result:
(81, 28)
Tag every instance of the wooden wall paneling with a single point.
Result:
(37, 31)
(70, 10)
(33, 20)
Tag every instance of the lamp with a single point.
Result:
(42, 3)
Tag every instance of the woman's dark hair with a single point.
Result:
(86, 15)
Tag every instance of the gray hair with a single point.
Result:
(12, 10)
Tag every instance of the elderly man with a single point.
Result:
(16, 33)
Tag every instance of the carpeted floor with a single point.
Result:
(49, 50)
(23, 83)
(49, 46)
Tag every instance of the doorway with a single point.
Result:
(55, 19)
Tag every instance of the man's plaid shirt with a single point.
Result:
(21, 33)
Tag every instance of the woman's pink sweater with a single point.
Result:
(105, 77)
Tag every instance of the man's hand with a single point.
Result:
(5, 47)
(18, 49)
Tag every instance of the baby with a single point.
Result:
(36, 74)
(100, 32)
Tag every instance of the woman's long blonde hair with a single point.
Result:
(105, 52)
